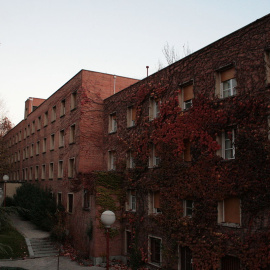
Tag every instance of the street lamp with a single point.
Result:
(5, 178)
(107, 218)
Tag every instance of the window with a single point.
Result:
(32, 150)
(37, 147)
(186, 154)
(154, 160)
(51, 171)
(60, 169)
(53, 116)
(43, 172)
(111, 162)
(28, 130)
(44, 146)
(226, 83)
(185, 256)
(154, 250)
(70, 203)
(230, 263)
(36, 172)
(72, 134)
(128, 242)
(112, 123)
(226, 140)
(45, 119)
(24, 133)
(59, 198)
(20, 135)
(63, 108)
(188, 208)
(86, 199)
(186, 96)
(73, 101)
(71, 168)
(33, 127)
(131, 201)
(39, 123)
(154, 108)
(27, 152)
(154, 203)
(61, 138)
(52, 142)
(19, 155)
(130, 160)
(131, 116)
(229, 211)
(267, 64)
(26, 174)
(30, 174)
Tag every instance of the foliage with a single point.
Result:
(37, 205)
(12, 243)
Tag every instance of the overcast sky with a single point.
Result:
(44, 43)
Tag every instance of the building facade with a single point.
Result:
(192, 141)
(61, 138)
(182, 157)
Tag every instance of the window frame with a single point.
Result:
(112, 123)
(187, 208)
(156, 262)
(70, 203)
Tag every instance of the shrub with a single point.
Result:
(36, 205)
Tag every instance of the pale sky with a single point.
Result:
(44, 43)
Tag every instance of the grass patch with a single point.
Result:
(12, 243)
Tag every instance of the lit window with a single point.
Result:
(155, 250)
(154, 108)
(131, 116)
(229, 211)
(112, 123)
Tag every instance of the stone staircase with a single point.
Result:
(41, 247)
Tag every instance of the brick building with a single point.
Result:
(182, 157)
(61, 138)
(192, 142)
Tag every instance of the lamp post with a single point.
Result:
(107, 218)
(5, 178)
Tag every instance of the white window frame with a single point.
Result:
(130, 116)
(187, 208)
(71, 167)
(130, 160)
(63, 108)
(112, 123)
(154, 108)
(154, 160)
(61, 138)
(231, 90)
(223, 147)
(131, 204)
(111, 161)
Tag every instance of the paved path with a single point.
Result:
(30, 232)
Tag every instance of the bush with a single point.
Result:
(36, 205)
